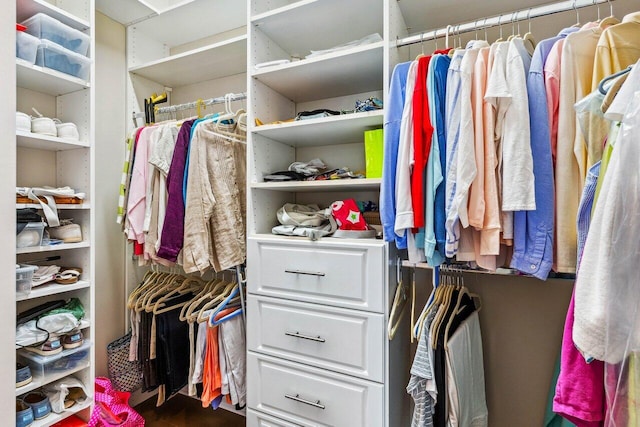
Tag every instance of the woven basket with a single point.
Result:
(372, 218)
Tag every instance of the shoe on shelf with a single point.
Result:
(69, 233)
(23, 375)
(68, 275)
(72, 340)
(24, 414)
(39, 403)
(52, 346)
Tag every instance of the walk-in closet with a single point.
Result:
(361, 213)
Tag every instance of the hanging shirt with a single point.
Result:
(499, 97)
(606, 296)
(393, 117)
(440, 65)
(518, 180)
(434, 175)
(454, 83)
(404, 204)
(422, 136)
(576, 72)
(533, 230)
(136, 205)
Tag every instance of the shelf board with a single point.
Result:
(53, 418)
(217, 60)
(59, 206)
(52, 248)
(342, 129)
(345, 72)
(289, 26)
(36, 383)
(330, 185)
(27, 8)
(45, 80)
(324, 240)
(53, 289)
(46, 142)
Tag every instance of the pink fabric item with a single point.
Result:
(348, 215)
(115, 401)
(136, 204)
(580, 396)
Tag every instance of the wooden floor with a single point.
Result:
(183, 411)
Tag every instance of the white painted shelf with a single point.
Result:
(345, 72)
(45, 80)
(27, 8)
(45, 142)
(297, 27)
(329, 185)
(342, 129)
(82, 206)
(217, 60)
(53, 418)
(52, 289)
(52, 248)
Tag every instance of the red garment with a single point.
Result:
(422, 132)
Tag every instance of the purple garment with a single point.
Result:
(173, 229)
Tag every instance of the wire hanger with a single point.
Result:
(575, 8)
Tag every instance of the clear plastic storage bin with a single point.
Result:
(58, 365)
(31, 235)
(24, 274)
(58, 58)
(26, 46)
(48, 28)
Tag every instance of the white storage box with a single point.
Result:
(26, 46)
(24, 274)
(31, 235)
(44, 367)
(58, 58)
(23, 122)
(47, 28)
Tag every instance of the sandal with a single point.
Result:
(68, 275)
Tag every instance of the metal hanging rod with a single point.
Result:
(202, 102)
(499, 20)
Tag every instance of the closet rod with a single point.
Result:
(211, 101)
(506, 18)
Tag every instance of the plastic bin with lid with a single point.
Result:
(30, 235)
(57, 365)
(48, 28)
(26, 46)
(56, 57)
(24, 274)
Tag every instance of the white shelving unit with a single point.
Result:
(285, 274)
(50, 161)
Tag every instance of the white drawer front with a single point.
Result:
(344, 275)
(256, 419)
(346, 341)
(312, 397)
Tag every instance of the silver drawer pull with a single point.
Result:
(297, 398)
(304, 337)
(306, 273)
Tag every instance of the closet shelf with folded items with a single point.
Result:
(199, 331)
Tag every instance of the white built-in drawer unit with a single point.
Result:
(346, 341)
(342, 273)
(257, 419)
(309, 396)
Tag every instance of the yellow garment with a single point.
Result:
(612, 91)
(606, 157)
(618, 47)
(576, 72)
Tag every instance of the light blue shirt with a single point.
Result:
(392, 118)
(434, 175)
(533, 230)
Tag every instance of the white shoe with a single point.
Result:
(70, 233)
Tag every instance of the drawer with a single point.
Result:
(346, 341)
(309, 396)
(256, 419)
(350, 275)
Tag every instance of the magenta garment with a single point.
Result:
(580, 389)
(173, 229)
